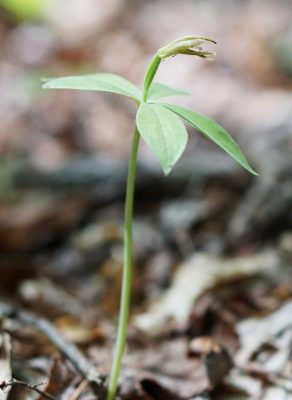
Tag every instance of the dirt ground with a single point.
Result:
(212, 289)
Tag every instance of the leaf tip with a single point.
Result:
(167, 169)
(246, 165)
(253, 172)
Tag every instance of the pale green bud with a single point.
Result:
(190, 45)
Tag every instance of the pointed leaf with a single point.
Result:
(212, 130)
(159, 90)
(102, 82)
(164, 133)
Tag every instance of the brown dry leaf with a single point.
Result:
(61, 376)
(243, 385)
(78, 333)
(210, 318)
(170, 370)
(275, 329)
(262, 364)
(196, 275)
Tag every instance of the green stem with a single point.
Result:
(128, 245)
(150, 73)
(127, 271)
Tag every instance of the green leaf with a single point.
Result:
(102, 82)
(164, 133)
(212, 130)
(158, 90)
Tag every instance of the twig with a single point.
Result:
(13, 382)
(69, 350)
(79, 390)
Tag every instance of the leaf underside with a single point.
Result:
(159, 90)
(100, 82)
(163, 131)
(215, 132)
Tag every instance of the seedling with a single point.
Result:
(161, 125)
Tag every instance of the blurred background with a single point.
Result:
(63, 154)
(247, 87)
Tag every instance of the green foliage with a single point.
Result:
(213, 131)
(159, 90)
(101, 82)
(164, 133)
(157, 123)
(162, 128)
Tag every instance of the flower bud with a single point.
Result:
(190, 45)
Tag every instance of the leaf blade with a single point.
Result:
(101, 82)
(164, 132)
(215, 132)
(159, 90)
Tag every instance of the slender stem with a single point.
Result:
(127, 271)
(128, 245)
(150, 73)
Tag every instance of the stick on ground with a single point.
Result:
(68, 350)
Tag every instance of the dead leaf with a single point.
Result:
(255, 332)
(169, 370)
(195, 276)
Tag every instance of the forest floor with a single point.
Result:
(212, 289)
